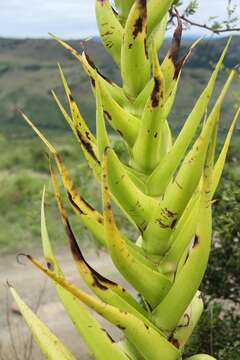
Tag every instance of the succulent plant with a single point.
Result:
(166, 190)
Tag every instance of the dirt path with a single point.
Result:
(30, 283)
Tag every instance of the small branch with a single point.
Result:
(209, 28)
(206, 27)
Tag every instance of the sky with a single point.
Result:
(72, 18)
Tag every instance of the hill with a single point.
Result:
(28, 71)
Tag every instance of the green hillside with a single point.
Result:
(28, 71)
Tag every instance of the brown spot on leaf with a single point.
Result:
(155, 93)
(74, 204)
(138, 26)
(71, 98)
(195, 241)
(93, 81)
(174, 341)
(120, 133)
(88, 135)
(87, 204)
(50, 265)
(162, 224)
(121, 327)
(109, 336)
(108, 115)
(140, 23)
(145, 48)
(98, 280)
(87, 145)
(173, 224)
(180, 186)
(91, 63)
(169, 213)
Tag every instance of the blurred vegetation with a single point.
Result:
(28, 72)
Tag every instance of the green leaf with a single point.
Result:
(51, 347)
(97, 339)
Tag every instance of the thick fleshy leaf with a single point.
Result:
(189, 321)
(181, 189)
(95, 336)
(123, 7)
(147, 148)
(77, 118)
(219, 166)
(150, 343)
(51, 347)
(102, 136)
(151, 284)
(162, 175)
(119, 119)
(107, 290)
(136, 204)
(156, 12)
(110, 29)
(135, 64)
(91, 70)
(179, 296)
(89, 216)
(158, 33)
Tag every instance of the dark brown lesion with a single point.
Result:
(50, 265)
(79, 210)
(170, 213)
(71, 98)
(155, 96)
(109, 336)
(119, 132)
(121, 327)
(98, 280)
(174, 342)
(93, 81)
(173, 224)
(138, 27)
(87, 146)
(91, 63)
(162, 224)
(167, 219)
(87, 204)
(107, 33)
(196, 241)
(145, 48)
(178, 185)
(108, 115)
(90, 207)
(88, 135)
(140, 23)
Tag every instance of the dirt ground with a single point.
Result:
(36, 290)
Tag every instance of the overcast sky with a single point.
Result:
(70, 18)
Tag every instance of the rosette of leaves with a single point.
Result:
(165, 189)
